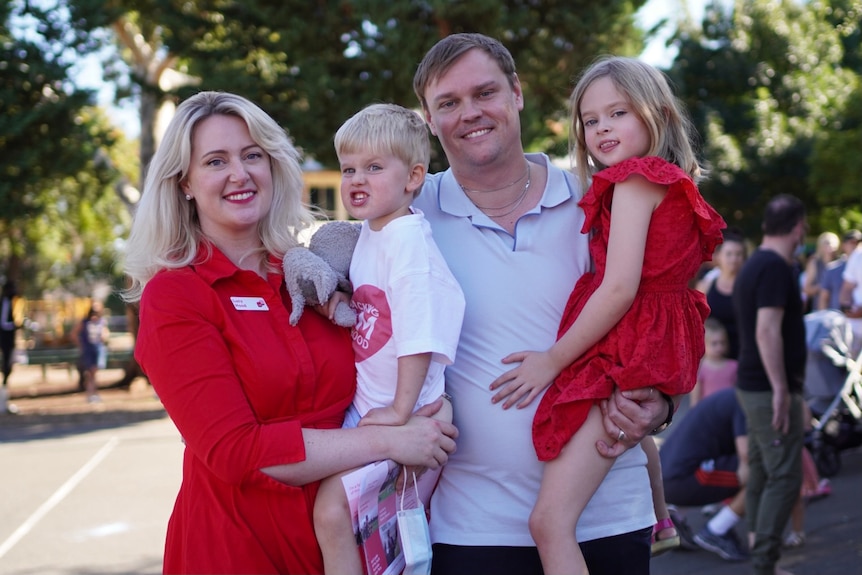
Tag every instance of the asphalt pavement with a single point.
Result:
(55, 521)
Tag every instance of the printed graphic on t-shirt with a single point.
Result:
(373, 321)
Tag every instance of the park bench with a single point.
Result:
(68, 357)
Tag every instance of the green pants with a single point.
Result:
(775, 478)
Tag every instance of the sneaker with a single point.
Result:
(824, 489)
(725, 546)
(793, 540)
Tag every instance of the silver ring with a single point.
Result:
(622, 435)
(650, 391)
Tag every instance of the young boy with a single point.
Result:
(409, 306)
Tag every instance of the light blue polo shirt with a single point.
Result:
(516, 287)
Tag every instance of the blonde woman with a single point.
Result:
(259, 403)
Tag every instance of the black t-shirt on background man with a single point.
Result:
(768, 280)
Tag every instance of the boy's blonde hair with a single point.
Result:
(386, 129)
(166, 232)
(648, 92)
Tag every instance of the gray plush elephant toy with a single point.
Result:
(314, 273)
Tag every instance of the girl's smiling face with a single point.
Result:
(612, 130)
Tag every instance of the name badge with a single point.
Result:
(249, 303)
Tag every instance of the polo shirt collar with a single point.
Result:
(455, 202)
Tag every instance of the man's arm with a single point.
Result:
(846, 300)
(770, 345)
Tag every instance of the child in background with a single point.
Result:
(716, 370)
(409, 305)
(634, 321)
(92, 340)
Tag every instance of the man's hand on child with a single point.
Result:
(635, 413)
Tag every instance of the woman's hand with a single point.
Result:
(523, 383)
(635, 413)
(422, 441)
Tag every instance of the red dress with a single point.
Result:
(659, 341)
(241, 383)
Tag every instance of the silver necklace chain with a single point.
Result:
(514, 203)
(509, 185)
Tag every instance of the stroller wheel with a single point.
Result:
(827, 459)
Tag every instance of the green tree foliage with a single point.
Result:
(313, 64)
(764, 80)
(834, 165)
(55, 221)
(141, 66)
(40, 131)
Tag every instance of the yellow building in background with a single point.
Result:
(321, 188)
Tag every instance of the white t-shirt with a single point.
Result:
(516, 288)
(853, 274)
(407, 302)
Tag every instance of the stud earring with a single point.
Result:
(188, 197)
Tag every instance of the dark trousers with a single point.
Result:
(775, 474)
(626, 554)
(7, 346)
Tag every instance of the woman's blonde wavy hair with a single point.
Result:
(166, 232)
(649, 93)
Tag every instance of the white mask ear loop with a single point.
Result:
(415, 487)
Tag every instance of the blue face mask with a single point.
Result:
(414, 535)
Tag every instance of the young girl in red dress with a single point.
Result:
(633, 322)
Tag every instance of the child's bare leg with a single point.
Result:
(333, 527)
(797, 516)
(568, 483)
(90, 382)
(657, 486)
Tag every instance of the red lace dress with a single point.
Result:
(659, 341)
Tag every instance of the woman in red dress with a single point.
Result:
(259, 403)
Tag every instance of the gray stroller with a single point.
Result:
(833, 389)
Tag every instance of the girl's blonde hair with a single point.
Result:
(166, 232)
(648, 92)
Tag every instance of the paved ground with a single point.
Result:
(53, 410)
(57, 400)
(833, 527)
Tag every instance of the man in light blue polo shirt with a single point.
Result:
(509, 226)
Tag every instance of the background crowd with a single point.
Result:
(260, 402)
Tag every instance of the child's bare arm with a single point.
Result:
(412, 370)
(633, 203)
(328, 309)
